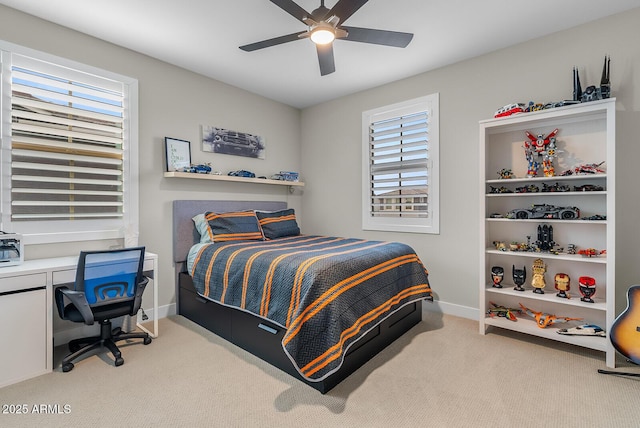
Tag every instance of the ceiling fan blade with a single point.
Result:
(292, 9)
(325, 58)
(272, 42)
(378, 37)
(345, 8)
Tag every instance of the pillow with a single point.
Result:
(278, 224)
(202, 226)
(233, 226)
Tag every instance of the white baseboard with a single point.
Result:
(61, 337)
(451, 309)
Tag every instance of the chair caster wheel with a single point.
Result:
(67, 367)
(119, 361)
(147, 340)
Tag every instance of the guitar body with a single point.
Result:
(625, 331)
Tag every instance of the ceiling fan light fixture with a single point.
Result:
(323, 34)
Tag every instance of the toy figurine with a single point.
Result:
(544, 320)
(563, 285)
(587, 288)
(537, 280)
(505, 174)
(540, 148)
(519, 277)
(503, 311)
(497, 274)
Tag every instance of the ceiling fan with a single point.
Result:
(325, 25)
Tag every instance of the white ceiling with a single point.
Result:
(204, 35)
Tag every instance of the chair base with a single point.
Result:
(107, 338)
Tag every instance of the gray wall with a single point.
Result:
(471, 91)
(175, 102)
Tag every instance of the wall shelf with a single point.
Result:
(196, 176)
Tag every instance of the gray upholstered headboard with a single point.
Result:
(184, 231)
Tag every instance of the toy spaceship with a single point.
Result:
(544, 320)
(502, 311)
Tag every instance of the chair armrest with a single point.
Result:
(137, 302)
(78, 300)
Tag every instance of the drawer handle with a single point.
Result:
(268, 329)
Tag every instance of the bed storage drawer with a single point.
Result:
(257, 335)
(210, 315)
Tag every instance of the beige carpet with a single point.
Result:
(440, 374)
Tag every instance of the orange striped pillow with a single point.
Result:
(278, 224)
(234, 226)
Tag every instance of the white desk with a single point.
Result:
(26, 313)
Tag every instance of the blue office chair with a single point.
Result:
(109, 284)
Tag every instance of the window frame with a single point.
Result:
(42, 232)
(431, 224)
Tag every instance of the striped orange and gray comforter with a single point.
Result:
(327, 292)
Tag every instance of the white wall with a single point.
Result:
(470, 91)
(173, 102)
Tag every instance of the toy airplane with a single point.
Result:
(544, 320)
(502, 311)
(583, 330)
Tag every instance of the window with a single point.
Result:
(69, 149)
(400, 167)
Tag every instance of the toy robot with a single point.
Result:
(587, 288)
(497, 274)
(540, 150)
(562, 284)
(537, 280)
(519, 277)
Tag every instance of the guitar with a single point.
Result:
(625, 331)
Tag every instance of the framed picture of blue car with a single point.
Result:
(178, 154)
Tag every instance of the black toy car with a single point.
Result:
(545, 211)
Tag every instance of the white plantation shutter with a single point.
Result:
(400, 182)
(70, 155)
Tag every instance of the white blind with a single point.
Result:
(399, 166)
(67, 143)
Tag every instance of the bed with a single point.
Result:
(316, 307)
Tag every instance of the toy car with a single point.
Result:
(588, 188)
(555, 188)
(199, 169)
(242, 173)
(545, 211)
(510, 109)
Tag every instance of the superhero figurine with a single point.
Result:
(587, 288)
(497, 274)
(519, 277)
(540, 150)
(563, 285)
(537, 281)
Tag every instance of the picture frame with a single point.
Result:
(178, 153)
(230, 142)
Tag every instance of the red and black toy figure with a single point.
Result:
(497, 275)
(587, 288)
(519, 277)
(562, 284)
(540, 150)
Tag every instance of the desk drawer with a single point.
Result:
(64, 276)
(22, 282)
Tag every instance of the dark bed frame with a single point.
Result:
(252, 333)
